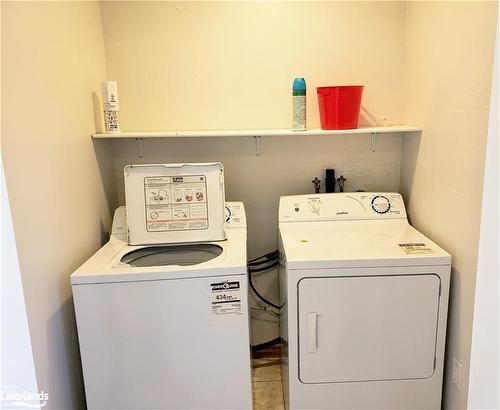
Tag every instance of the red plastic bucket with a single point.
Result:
(339, 106)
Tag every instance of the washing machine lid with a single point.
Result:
(174, 203)
(340, 244)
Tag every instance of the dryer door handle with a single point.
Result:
(312, 332)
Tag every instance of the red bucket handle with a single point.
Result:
(328, 89)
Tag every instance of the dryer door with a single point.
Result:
(367, 328)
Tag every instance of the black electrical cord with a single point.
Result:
(271, 259)
(263, 268)
(263, 262)
(267, 255)
(267, 302)
(265, 258)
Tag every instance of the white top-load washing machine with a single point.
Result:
(163, 322)
(366, 298)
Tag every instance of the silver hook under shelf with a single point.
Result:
(258, 144)
(373, 140)
(140, 147)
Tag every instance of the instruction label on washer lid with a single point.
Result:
(415, 248)
(225, 298)
(176, 203)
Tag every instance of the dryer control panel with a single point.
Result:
(342, 206)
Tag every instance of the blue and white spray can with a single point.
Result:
(299, 104)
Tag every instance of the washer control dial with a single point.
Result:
(227, 213)
(381, 204)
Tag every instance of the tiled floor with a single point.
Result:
(266, 379)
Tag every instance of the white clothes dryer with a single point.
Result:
(366, 299)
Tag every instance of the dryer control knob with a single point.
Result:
(381, 204)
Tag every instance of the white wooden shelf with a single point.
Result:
(254, 133)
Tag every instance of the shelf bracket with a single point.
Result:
(258, 144)
(140, 147)
(373, 140)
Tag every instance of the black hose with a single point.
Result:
(263, 268)
(260, 296)
(261, 262)
(253, 267)
(267, 256)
